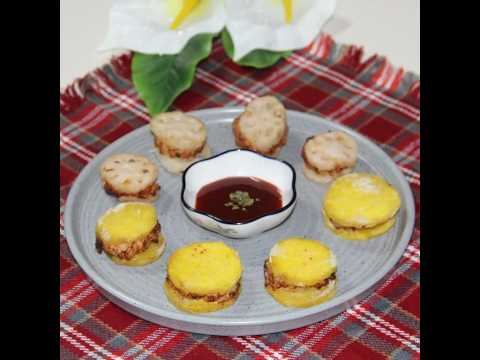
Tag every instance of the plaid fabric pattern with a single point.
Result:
(327, 79)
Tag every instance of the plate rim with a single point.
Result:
(356, 293)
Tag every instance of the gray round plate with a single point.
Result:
(361, 264)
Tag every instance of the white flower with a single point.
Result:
(260, 24)
(146, 25)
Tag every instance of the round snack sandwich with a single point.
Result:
(360, 206)
(130, 234)
(300, 272)
(203, 277)
(130, 177)
(262, 127)
(180, 139)
(328, 155)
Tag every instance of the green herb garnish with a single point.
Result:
(240, 200)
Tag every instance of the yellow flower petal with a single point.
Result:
(188, 6)
(287, 4)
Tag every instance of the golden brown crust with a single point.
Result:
(164, 149)
(274, 283)
(329, 154)
(220, 298)
(128, 174)
(148, 193)
(178, 135)
(242, 142)
(177, 165)
(337, 170)
(127, 251)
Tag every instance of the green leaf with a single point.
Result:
(259, 59)
(159, 79)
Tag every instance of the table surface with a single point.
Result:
(389, 28)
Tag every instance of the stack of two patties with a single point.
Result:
(300, 272)
(130, 234)
(180, 139)
(262, 127)
(360, 206)
(130, 177)
(203, 277)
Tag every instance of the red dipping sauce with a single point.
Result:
(239, 199)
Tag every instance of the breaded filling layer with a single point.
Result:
(352, 228)
(176, 153)
(232, 294)
(146, 193)
(127, 251)
(274, 283)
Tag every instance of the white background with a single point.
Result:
(387, 27)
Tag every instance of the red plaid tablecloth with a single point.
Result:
(328, 79)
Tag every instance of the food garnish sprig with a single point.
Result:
(240, 200)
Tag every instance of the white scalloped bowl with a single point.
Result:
(239, 162)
